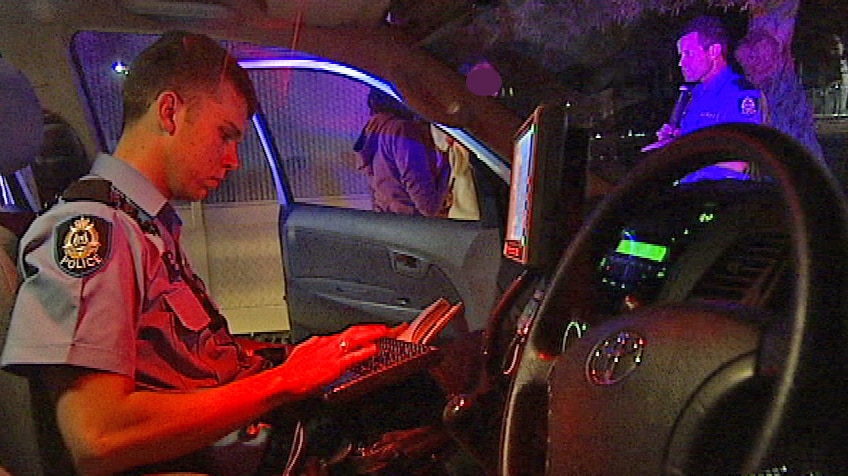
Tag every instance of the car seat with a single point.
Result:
(21, 136)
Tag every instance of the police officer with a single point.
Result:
(718, 94)
(111, 323)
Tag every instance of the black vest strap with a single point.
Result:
(101, 190)
(89, 189)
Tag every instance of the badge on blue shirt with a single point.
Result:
(749, 105)
(83, 244)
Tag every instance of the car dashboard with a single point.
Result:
(720, 245)
(717, 242)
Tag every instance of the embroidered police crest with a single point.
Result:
(84, 245)
(748, 106)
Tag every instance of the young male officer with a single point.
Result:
(719, 94)
(110, 321)
(716, 93)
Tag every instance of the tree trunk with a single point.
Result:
(778, 18)
(789, 109)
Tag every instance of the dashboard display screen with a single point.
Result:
(642, 250)
(521, 197)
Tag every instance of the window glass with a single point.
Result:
(315, 118)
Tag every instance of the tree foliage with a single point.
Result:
(539, 22)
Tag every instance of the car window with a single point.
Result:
(315, 118)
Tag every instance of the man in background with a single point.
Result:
(717, 93)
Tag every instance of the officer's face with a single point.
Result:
(696, 62)
(207, 146)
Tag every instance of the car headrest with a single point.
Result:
(62, 160)
(21, 120)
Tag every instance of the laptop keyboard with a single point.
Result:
(395, 360)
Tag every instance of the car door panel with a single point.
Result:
(345, 266)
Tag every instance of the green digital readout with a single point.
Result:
(642, 250)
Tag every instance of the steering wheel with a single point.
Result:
(683, 387)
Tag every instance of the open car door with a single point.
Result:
(344, 263)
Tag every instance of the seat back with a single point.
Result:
(21, 135)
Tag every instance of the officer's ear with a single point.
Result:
(716, 50)
(167, 105)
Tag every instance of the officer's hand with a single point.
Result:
(320, 360)
(667, 132)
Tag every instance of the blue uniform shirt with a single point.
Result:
(726, 98)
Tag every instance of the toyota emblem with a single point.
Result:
(614, 358)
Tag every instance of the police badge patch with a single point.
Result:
(83, 245)
(749, 105)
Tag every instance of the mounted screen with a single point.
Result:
(547, 187)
